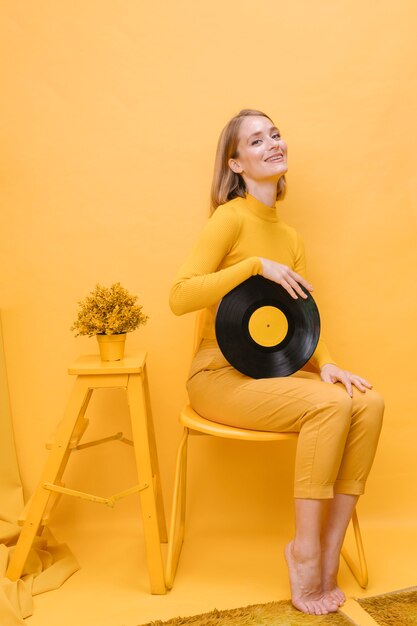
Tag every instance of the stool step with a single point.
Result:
(79, 430)
(111, 501)
(75, 445)
(98, 442)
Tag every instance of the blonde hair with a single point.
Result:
(227, 184)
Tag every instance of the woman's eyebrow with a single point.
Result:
(271, 129)
(254, 135)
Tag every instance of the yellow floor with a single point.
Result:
(220, 568)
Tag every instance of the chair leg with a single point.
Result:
(359, 572)
(176, 531)
(154, 462)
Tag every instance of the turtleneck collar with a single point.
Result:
(260, 209)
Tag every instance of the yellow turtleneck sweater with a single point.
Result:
(228, 252)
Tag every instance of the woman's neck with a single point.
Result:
(265, 191)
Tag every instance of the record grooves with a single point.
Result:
(263, 332)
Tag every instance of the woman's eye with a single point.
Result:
(276, 136)
(256, 142)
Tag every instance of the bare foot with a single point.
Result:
(305, 582)
(330, 567)
(335, 595)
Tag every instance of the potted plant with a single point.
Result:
(109, 313)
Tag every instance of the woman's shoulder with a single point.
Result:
(292, 234)
(231, 206)
(224, 222)
(230, 211)
(291, 230)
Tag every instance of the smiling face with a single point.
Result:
(261, 153)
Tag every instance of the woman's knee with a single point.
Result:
(371, 401)
(369, 409)
(333, 408)
(375, 400)
(337, 397)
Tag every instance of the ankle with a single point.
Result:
(305, 550)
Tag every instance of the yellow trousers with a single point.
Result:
(338, 435)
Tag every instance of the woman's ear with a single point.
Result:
(235, 166)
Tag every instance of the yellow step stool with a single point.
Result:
(92, 373)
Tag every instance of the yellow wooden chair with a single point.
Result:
(194, 424)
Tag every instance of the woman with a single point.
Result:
(338, 422)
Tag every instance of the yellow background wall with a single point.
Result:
(109, 116)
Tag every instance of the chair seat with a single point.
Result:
(192, 420)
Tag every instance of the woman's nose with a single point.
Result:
(272, 142)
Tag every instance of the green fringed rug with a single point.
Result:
(393, 609)
(271, 614)
(398, 608)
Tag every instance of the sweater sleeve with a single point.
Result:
(200, 283)
(321, 355)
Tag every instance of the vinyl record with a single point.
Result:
(263, 332)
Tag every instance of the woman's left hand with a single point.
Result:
(330, 373)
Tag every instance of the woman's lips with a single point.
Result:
(275, 157)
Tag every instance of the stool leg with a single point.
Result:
(139, 419)
(52, 472)
(154, 462)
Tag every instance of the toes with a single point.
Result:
(300, 606)
(336, 597)
(331, 605)
(304, 607)
(319, 608)
(311, 607)
(333, 598)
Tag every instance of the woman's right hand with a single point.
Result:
(285, 277)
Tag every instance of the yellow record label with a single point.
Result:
(268, 326)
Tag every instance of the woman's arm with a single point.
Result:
(199, 283)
